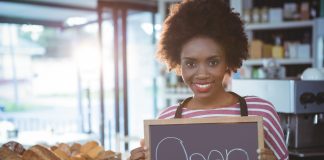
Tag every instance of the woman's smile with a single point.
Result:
(202, 87)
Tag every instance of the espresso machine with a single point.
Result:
(300, 105)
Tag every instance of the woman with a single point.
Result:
(203, 40)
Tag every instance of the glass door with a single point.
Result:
(132, 60)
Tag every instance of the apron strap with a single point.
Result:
(243, 106)
(178, 113)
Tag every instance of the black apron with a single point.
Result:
(243, 106)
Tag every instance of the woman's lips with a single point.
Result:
(202, 87)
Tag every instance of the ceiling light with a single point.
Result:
(73, 21)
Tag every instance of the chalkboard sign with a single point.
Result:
(222, 138)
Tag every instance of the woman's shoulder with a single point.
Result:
(261, 107)
(168, 112)
(257, 102)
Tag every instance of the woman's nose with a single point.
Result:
(202, 72)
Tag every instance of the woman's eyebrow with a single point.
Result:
(214, 57)
(188, 58)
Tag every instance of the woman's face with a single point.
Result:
(203, 66)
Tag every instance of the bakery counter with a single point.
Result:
(90, 150)
(47, 138)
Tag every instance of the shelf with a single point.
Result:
(279, 25)
(252, 62)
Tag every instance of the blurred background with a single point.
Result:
(79, 70)
(54, 70)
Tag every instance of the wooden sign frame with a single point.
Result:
(221, 120)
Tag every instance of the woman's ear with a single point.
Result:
(228, 70)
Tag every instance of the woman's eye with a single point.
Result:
(213, 62)
(190, 64)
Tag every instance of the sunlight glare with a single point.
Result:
(86, 56)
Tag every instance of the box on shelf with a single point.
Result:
(278, 52)
(256, 49)
(267, 51)
(290, 11)
(292, 49)
(303, 51)
(304, 11)
(275, 15)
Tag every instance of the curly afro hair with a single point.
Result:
(208, 18)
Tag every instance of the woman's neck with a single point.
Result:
(222, 99)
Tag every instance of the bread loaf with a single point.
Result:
(7, 154)
(39, 152)
(88, 146)
(53, 148)
(106, 155)
(61, 154)
(15, 147)
(75, 147)
(93, 153)
(84, 156)
(77, 158)
(65, 148)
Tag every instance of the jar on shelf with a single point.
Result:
(247, 16)
(278, 50)
(264, 15)
(255, 15)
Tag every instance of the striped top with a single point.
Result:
(273, 133)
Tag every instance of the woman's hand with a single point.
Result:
(266, 154)
(139, 153)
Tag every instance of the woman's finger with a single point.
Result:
(265, 154)
(264, 151)
(142, 142)
(266, 157)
